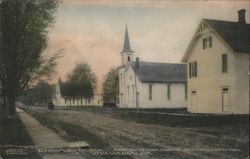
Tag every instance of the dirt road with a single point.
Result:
(143, 141)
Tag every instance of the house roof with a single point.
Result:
(161, 72)
(236, 34)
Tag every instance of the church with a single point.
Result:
(149, 84)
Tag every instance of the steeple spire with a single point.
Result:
(126, 45)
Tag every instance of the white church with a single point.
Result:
(148, 84)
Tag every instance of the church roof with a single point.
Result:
(126, 45)
(161, 72)
(236, 34)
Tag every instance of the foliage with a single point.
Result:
(42, 93)
(80, 84)
(23, 38)
(110, 86)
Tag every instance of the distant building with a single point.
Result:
(218, 67)
(150, 85)
(58, 100)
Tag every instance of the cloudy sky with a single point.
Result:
(92, 31)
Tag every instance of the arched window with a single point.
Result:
(128, 59)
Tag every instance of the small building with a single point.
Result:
(58, 100)
(148, 84)
(218, 67)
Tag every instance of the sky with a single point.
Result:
(92, 31)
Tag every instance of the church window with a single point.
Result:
(128, 59)
(121, 79)
(128, 94)
(169, 91)
(150, 97)
(133, 93)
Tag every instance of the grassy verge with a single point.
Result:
(15, 141)
(157, 117)
(182, 121)
(70, 132)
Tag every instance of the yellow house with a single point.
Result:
(218, 67)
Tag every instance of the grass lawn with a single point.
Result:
(70, 132)
(15, 142)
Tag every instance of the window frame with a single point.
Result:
(150, 92)
(169, 91)
(224, 64)
(207, 42)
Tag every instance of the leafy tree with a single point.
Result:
(23, 37)
(40, 94)
(110, 86)
(80, 84)
(43, 92)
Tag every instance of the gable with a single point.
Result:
(233, 35)
(201, 28)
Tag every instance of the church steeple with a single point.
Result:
(126, 45)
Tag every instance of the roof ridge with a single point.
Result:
(159, 62)
(236, 22)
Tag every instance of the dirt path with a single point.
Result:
(129, 135)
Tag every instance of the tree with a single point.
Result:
(23, 38)
(110, 86)
(80, 84)
(41, 93)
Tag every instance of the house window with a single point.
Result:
(207, 42)
(193, 69)
(150, 97)
(169, 93)
(224, 63)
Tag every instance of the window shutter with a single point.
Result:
(224, 63)
(195, 69)
(210, 41)
(190, 70)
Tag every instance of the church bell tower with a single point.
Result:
(127, 52)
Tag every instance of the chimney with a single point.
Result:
(242, 19)
(137, 63)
